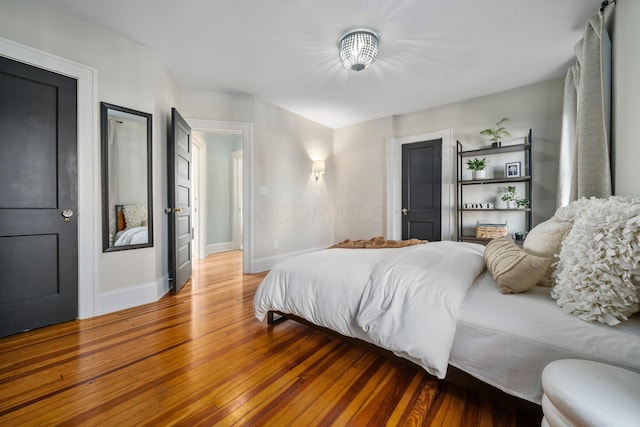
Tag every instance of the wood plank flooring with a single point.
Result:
(200, 358)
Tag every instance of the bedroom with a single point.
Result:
(112, 281)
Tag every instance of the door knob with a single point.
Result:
(404, 211)
(169, 210)
(67, 214)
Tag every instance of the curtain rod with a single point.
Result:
(605, 3)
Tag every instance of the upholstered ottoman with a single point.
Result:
(585, 393)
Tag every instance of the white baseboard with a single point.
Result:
(120, 299)
(214, 248)
(263, 264)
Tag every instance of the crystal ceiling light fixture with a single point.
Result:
(358, 49)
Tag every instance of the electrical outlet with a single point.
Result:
(275, 244)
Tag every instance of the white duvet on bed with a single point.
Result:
(132, 236)
(405, 300)
(322, 287)
(411, 303)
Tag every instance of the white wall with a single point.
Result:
(537, 106)
(129, 75)
(208, 105)
(360, 152)
(297, 211)
(360, 171)
(626, 97)
(131, 154)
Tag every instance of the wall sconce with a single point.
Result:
(318, 168)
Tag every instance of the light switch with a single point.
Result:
(264, 191)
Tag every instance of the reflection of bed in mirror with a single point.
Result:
(131, 226)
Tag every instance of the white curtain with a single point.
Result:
(114, 173)
(584, 149)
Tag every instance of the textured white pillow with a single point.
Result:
(574, 209)
(544, 240)
(134, 215)
(598, 275)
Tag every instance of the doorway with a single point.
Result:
(239, 170)
(220, 204)
(39, 201)
(394, 182)
(86, 160)
(421, 190)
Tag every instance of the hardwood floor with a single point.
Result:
(202, 358)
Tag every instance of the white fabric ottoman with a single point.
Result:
(585, 393)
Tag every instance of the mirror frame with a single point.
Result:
(104, 139)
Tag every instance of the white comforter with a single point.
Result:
(405, 300)
(132, 236)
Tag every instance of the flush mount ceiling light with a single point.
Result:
(358, 49)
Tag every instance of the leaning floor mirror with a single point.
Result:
(127, 212)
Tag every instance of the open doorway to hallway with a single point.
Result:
(243, 131)
(218, 192)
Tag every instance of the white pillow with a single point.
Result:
(598, 275)
(134, 215)
(544, 240)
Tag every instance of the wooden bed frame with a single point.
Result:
(454, 375)
(120, 221)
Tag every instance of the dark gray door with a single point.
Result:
(179, 197)
(38, 172)
(422, 190)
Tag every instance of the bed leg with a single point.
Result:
(274, 318)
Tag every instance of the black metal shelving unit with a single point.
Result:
(527, 178)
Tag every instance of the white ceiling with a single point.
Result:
(432, 52)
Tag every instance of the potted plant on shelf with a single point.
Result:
(476, 166)
(498, 132)
(513, 200)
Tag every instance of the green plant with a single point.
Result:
(477, 164)
(512, 196)
(498, 132)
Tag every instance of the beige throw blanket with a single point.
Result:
(377, 243)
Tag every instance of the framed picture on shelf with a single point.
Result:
(512, 170)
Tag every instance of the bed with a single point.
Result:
(504, 340)
(130, 225)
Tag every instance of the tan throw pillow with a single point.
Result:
(545, 240)
(513, 269)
